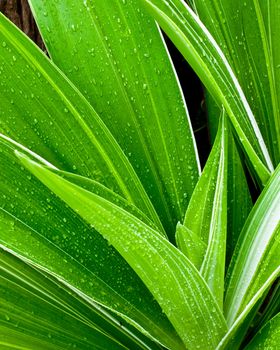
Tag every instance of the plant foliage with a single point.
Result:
(111, 236)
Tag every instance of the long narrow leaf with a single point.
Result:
(228, 32)
(206, 215)
(239, 200)
(232, 338)
(43, 111)
(268, 337)
(172, 279)
(29, 297)
(26, 314)
(257, 252)
(40, 228)
(202, 52)
(213, 266)
(250, 43)
(142, 106)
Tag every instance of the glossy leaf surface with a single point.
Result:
(142, 106)
(43, 111)
(190, 244)
(244, 31)
(39, 227)
(36, 311)
(268, 337)
(206, 215)
(257, 252)
(172, 279)
(235, 334)
(205, 56)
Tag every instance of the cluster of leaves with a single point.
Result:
(110, 235)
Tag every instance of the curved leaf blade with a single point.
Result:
(232, 338)
(169, 275)
(29, 298)
(143, 107)
(202, 52)
(41, 229)
(206, 215)
(102, 191)
(268, 337)
(250, 43)
(256, 254)
(43, 111)
(43, 321)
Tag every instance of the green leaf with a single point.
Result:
(218, 17)
(43, 111)
(190, 244)
(169, 275)
(104, 192)
(239, 201)
(29, 298)
(256, 254)
(272, 306)
(30, 312)
(206, 215)
(206, 58)
(272, 22)
(268, 337)
(232, 339)
(143, 107)
(213, 266)
(252, 48)
(40, 228)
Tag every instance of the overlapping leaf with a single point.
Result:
(237, 331)
(37, 312)
(268, 337)
(222, 28)
(246, 31)
(39, 227)
(114, 54)
(169, 275)
(205, 56)
(43, 111)
(257, 252)
(272, 307)
(206, 215)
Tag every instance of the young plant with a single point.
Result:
(110, 235)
